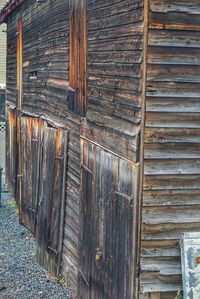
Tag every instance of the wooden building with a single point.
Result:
(2, 51)
(103, 134)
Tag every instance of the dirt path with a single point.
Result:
(20, 275)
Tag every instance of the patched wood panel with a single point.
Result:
(109, 188)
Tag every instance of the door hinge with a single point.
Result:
(86, 168)
(35, 140)
(138, 271)
(53, 250)
(31, 210)
(59, 157)
(84, 278)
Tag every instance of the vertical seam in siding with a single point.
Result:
(143, 114)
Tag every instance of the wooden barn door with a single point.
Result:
(108, 209)
(30, 146)
(51, 198)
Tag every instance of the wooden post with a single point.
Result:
(18, 112)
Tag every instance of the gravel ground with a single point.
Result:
(20, 275)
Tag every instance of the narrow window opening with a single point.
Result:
(33, 75)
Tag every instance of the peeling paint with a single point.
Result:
(190, 250)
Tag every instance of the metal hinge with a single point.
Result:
(59, 157)
(86, 168)
(34, 140)
(138, 270)
(31, 210)
(84, 278)
(125, 197)
(53, 250)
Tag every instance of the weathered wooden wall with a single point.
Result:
(114, 91)
(171, 147)
(115, 39)
(45, 79)
(3, 28)
(109, 199)
(115, 94)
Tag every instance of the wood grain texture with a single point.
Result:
(115, 36)
(171, 161)
(109, 217)
(46, 38)
(78, 54)
(11, 152)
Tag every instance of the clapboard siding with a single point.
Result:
(115, 40)
(171, 142)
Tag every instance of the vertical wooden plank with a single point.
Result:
(109, 224)
(31, 128)
(29, 169)
(63, 194)
(78, 53)
(36, 132)
(141, 141)
(51, 199)
(86, 233)
(19, 63)
(19, 105)
(11, 145)
(110, 176)
(56, 191)
(45, 194)
(37, 184)
(23, 138)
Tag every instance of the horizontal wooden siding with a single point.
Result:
(171, 202)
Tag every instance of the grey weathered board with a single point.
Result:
(11, 145)
(108, 216)
(171, 142)
(49, 232)
(43, 164)
(31, 133)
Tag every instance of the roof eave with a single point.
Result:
(8, 9)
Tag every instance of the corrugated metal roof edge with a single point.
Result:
(8, 9)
